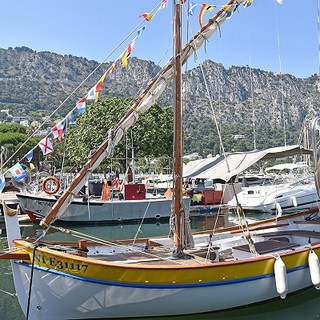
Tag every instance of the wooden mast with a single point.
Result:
(177, 199)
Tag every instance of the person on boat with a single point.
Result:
(129, 175)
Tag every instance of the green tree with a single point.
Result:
(151, 136)
(12, 136)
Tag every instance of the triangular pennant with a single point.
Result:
(147, 16)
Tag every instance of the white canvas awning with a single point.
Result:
(197, 166)
(225, 168)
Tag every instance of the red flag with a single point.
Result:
(131, 46)
(111, 69)
(58, 131)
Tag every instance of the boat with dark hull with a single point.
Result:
(82, 210)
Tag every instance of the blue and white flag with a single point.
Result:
(71, 117)
(139, 32)
(91, 95)
(2, 182)
(29, 155)
(17, 172)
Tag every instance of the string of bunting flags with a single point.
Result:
(59, 130)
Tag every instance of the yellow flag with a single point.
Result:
(124, 58)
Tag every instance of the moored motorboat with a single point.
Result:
(278, 198)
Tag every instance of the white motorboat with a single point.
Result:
(278, 198)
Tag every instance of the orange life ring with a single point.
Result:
(50, 185)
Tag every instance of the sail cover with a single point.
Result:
(225, 167)
(195, 167)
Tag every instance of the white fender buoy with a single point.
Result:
(294, 201)
(314, 268)
(280, 273)
(278, 209)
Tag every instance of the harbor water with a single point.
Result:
(301, 306)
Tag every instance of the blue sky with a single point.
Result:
(265, 35)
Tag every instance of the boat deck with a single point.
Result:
(268, 246)
(300, 233)
(153, 257)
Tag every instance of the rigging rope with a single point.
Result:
(253, 109)
(13, 295)
(214, 118)
(141, 223)
(281, 84)
(31, 280)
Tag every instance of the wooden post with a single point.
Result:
(83, 246)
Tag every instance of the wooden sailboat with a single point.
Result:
(163, 276)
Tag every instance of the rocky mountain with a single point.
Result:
(243, 100)
(240, 90)
(41, 81)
